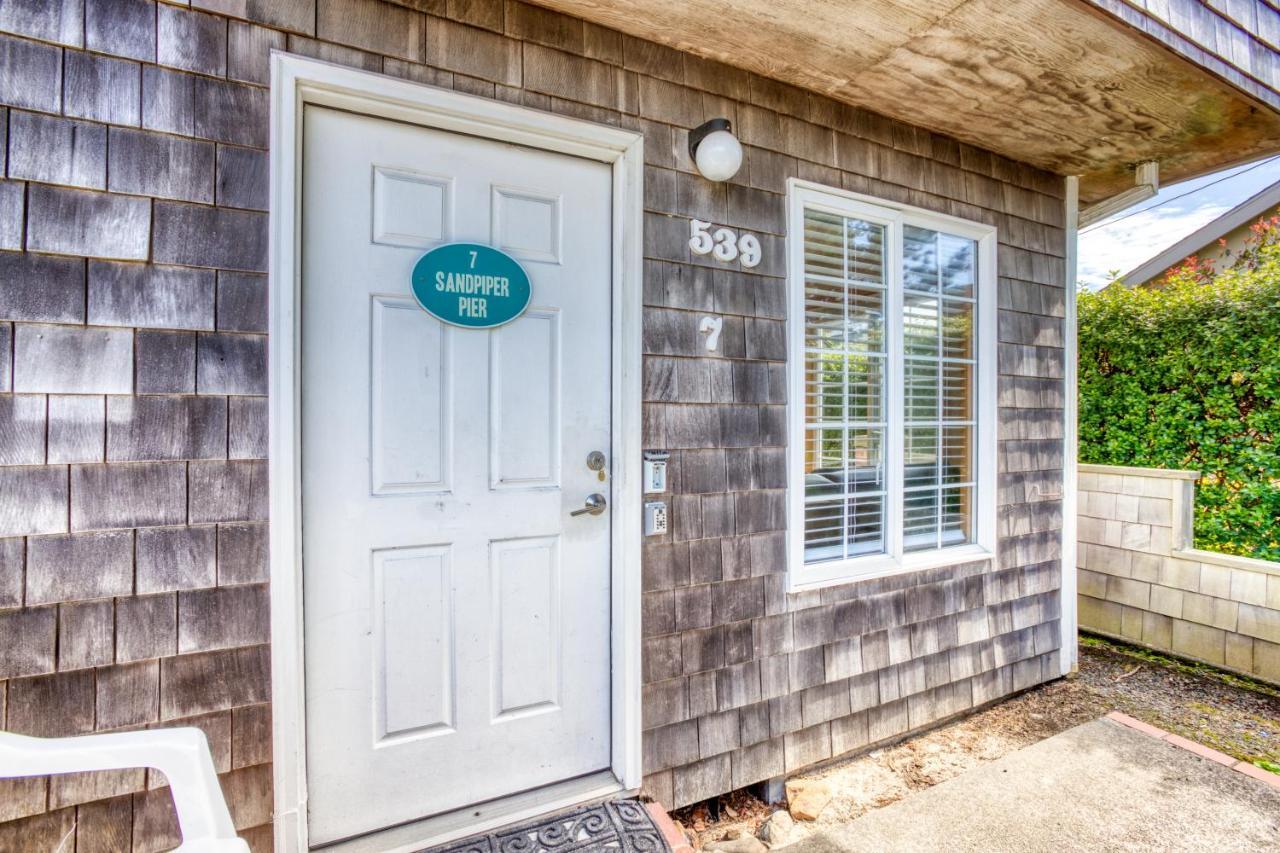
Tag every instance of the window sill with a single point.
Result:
(822, 575)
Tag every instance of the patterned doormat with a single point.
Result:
(615, 825)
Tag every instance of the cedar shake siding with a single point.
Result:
(1236, 39)
(133, 473)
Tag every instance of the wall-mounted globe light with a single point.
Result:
(715, 150)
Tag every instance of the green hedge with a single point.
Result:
(1187, 375)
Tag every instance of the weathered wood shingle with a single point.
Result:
(192, 41)
(102, 88)
(174, 558)
(242, 177)
(72, 360)
(79, 566)
(76, 428)
(30, 642)
(228, 491)
(13, 204)
(165, 362)
(247, 428)
(211, 681)
(86, 634)
(57, 705)
(57, 150)
(210, 236)
(143, 494)
(242, 553)
(30, 74)
(22, 429)
(222, 618)
(231, 364)
(377, 27)
(79, 222)
(42, 288)
(60, 21)
(121, 27)
(128, 695)
(250, 735)
(146, 627)
(242, 302)
(150, 296)
(249, 51)
(33, 500)
(12, 564)
(191, 105)
(150, 428)
(144, 163)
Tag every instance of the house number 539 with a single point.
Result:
(724, 243)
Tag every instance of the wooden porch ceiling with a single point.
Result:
(1055, 83)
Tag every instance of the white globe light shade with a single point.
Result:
(719, 156)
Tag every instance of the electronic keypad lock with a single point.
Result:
(655, 518)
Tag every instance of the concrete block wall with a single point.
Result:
(132, 415)
(1141, 580)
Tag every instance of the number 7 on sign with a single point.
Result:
(473, 259)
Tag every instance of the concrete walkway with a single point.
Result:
(1100, 786)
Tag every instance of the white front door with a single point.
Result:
(456, 617)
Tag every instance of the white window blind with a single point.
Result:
(939, 274)
(844, 301)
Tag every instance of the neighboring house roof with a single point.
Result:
(1247, 210)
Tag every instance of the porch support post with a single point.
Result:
(1070, 492)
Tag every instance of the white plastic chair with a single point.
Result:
(182, 755)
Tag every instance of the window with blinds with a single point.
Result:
(938, 285)
(844, 386)
(888, 372)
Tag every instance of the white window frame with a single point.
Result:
(802, 195)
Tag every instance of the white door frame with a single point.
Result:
(296, 82)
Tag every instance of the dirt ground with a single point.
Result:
(1232, 715)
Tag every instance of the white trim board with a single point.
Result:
(296, 82)
(1068, 618)
(893, 215)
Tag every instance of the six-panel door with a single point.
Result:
(456, 616)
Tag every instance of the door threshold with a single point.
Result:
(475, 819)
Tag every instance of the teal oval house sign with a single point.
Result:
(471, 285)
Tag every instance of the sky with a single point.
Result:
(1124, 241)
